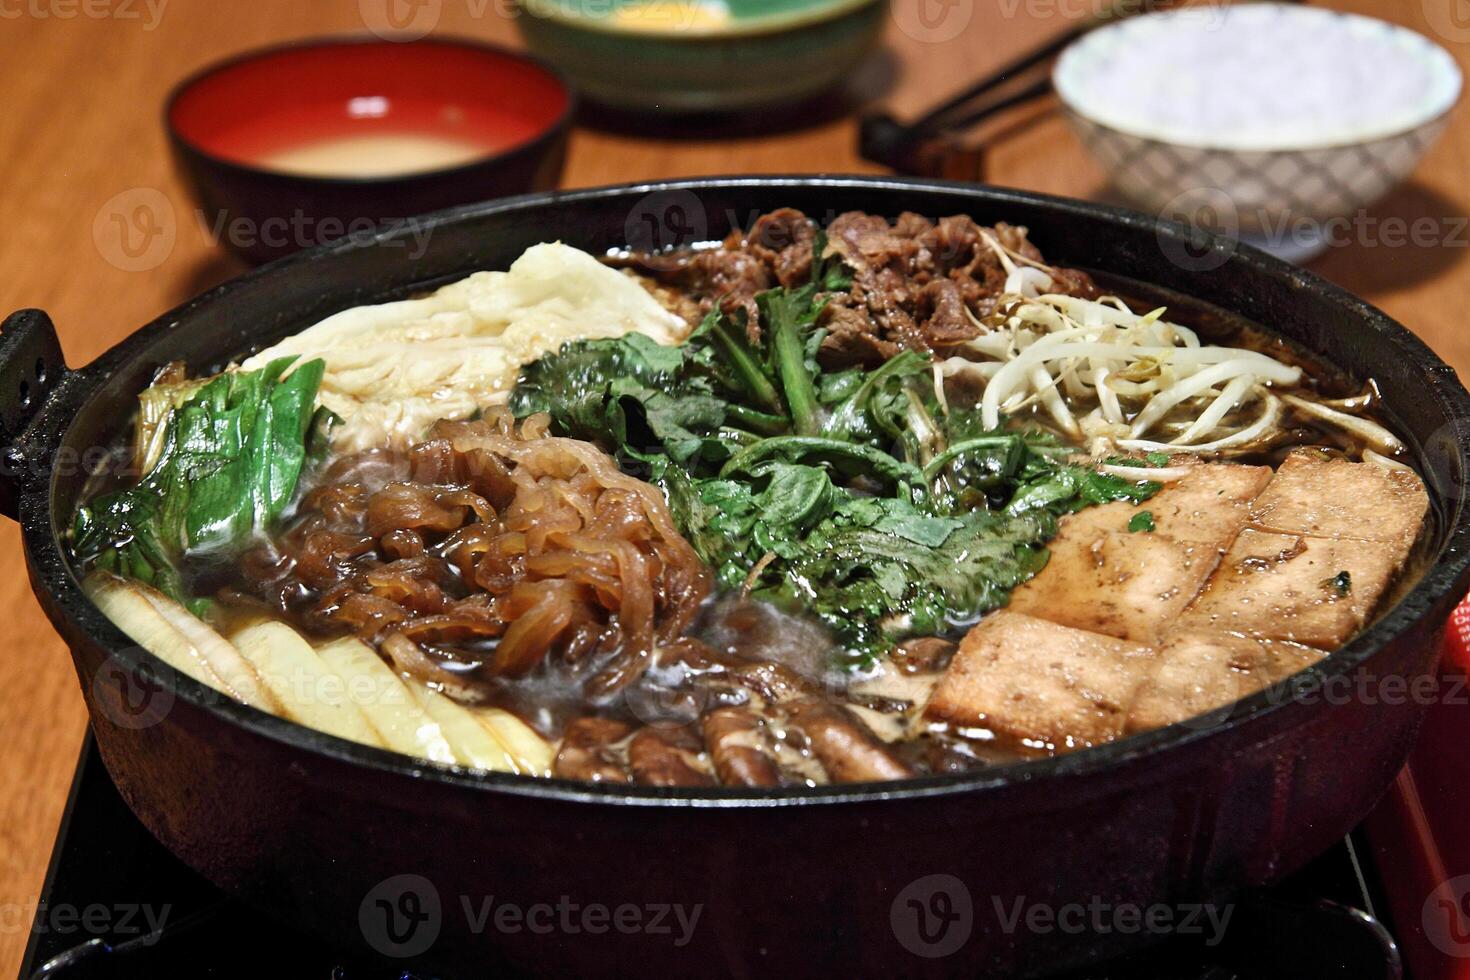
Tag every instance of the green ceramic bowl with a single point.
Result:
(683, 56)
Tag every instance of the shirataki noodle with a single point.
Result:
(495, 538)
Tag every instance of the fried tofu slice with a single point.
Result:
(1125, 585)
(1050, 685)
(1308, 590)
(1335, 498)
(1197, 672)
(1133, 585)
(1286, 659)
(1208, 506)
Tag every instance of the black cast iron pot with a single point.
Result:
(474, 873)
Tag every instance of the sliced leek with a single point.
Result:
(123, 602)
(309, 690)
(472, 741)
(222, 657)
(531, 753)
(383, 698)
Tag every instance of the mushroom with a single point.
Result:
(734, 738)
(587, 751)
(848, 750)
(660, 756)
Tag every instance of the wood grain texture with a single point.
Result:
(81, 125)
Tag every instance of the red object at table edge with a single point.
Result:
(1420, 833)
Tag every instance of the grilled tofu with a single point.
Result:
(1197, 672)
(1308, 590)
(1335, 498)
(1127, 585)
(1208, 506)
(1246, 578)
(1049, 685)
(1134, 584)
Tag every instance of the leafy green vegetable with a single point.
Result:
(1142, 521)
(853, 494)
(789, 316)
(231, 454)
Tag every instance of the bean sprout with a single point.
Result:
(1102, 373)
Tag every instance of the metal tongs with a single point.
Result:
(928, 147)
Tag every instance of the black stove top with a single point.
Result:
(117, 905)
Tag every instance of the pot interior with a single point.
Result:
(1423, 400)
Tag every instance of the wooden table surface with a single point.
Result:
(84, 81)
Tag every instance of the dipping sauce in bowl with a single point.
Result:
(344, 133)
(374, 156)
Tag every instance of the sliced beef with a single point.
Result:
(783, 241)
(732, 279)
(916, 284)
(942, 310)
(868, 243)
(955, 241)
(850, 339)
(880, 260)
(1073, 282)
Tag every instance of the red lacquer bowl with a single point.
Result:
(292, 146)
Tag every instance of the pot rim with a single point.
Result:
(1438, 587)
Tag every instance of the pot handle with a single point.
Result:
(31, 366)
